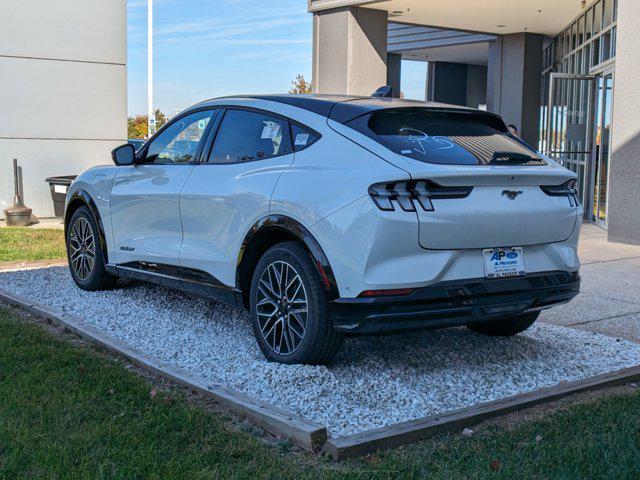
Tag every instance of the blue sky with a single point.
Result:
(224, 47)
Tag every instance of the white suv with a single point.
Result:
(328, 216)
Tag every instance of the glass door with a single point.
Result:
(602, 147)
(568, 134)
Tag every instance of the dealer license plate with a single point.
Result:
(503, 262)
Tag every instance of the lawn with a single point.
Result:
(70, 411)
(25, 244)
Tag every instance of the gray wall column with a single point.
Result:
(624, 169)
(494, 73)
(513, 86)
(349, 50)
(394, 72)
(447, 83)
(476, 86)
(456, 83)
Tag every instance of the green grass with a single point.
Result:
(26, 244)
(68, 411)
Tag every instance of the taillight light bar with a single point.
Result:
(567, 189)
(405, 193)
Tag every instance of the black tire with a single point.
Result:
(506, 327)
(319, 342)
(91, 276)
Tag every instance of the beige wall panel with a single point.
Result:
(88, 30)
(51, 99)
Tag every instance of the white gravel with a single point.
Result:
(375, 381)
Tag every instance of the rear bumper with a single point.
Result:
(453, 303)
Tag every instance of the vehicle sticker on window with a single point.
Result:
(271, 130)
(302, 139)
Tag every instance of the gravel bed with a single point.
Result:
(375, 381)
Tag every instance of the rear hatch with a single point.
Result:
(513, 196)
(511, 213)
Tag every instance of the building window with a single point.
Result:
(597, 18)
(580, 49)
(588, 25)
(608, 13)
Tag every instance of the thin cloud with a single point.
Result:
(265, 41)
(224, 32)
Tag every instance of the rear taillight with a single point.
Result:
(567, 189)
(406, 193)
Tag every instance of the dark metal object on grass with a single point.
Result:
(17, 215)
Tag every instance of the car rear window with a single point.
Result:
(445, 137)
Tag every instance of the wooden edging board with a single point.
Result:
(416, 430)
(311, 436)
(305, 434)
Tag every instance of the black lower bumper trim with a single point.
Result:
(453, 303)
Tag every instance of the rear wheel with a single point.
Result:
(289, 308)
(506, 327)
(84, 253)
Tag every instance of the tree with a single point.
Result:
(300, 85)
(161, 118)
(137, 125)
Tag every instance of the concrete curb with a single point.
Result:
(31, 265)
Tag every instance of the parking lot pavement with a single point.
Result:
(594, 247)
(609, 302)
(625, 327)
(374, 382)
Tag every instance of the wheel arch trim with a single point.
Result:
(82, 196)
(300, 232)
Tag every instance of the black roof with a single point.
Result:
(343, 108)
(320, 104)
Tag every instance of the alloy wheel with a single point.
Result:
(282, 308)
(82, 248)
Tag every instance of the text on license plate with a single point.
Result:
(503, 262)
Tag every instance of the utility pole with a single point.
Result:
(151, 121)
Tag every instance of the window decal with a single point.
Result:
(302, 139)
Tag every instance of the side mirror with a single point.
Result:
(123, 155)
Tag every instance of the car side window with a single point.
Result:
(246, 136)
(302, 137)
(178, 143)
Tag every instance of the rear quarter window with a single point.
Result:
(303, 137)
(445, 137)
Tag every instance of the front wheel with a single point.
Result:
(506, 327)
(289, 308)
(84, 253)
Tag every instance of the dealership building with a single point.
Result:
(566, 73)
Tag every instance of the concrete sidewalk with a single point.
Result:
(53, 222)
(609, 302)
